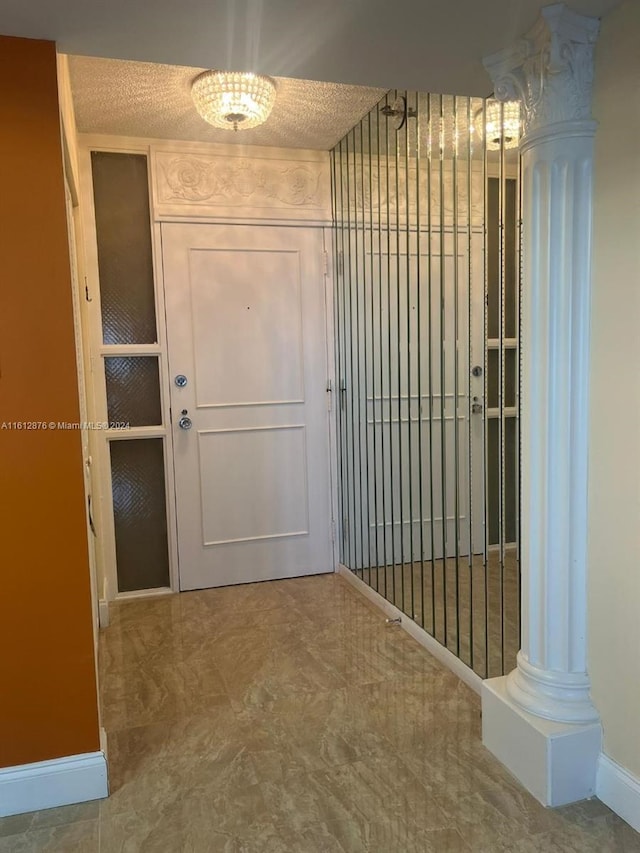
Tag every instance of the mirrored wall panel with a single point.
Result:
(427, 320)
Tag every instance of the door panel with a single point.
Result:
(407, 444)
(252, 297)
(237, 500)
(246, 327)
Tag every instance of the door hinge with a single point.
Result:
(332, 530)
(325, 262)
(329, 390)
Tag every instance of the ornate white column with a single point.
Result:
(540, 720)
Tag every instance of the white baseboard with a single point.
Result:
(464, 673)
(47, 784)
(103, 613)
(619, 790)
(156, 592)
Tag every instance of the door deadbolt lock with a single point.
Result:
(476, 371)
(180, 380)
(185, 422)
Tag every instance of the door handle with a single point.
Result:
(185, 422)
(476, 406)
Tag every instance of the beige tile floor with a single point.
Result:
(288, 718)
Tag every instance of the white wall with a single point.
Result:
(614, 458)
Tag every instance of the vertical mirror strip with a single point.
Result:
(430, 367)
(363, 293)
(501, 383)
(485, 395)
(371, 366)
(456, 374)
(418, 361)
(350, 237)
(397, 353)
(472, 470)
(356, 286)
(389, 329)
(442, 192)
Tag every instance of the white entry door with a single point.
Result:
(246, 329)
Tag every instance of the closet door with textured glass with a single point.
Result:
(131, 369)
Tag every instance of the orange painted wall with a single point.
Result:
(48, 704)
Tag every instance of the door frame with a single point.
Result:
(288, 209)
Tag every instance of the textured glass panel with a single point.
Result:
(510, 260)
(510, 479)
(123, 231)
(133, 390)
(494, 461)
(493, 378)
(493, 258)
(140, 513)
(510, 376)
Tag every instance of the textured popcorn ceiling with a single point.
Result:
(149, 100)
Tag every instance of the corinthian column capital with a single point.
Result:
(550, 70)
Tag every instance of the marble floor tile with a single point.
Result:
(77, 837)
(348, 836)
(48, 818)
(164, 691)
(287, 717)
(152, 766)
(309, 731)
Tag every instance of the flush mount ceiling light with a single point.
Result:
(499, 128)
(233, 100)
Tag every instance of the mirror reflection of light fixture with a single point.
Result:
(233, 100)
(398, 112)
(499, 128)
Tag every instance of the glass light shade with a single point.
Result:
(233, 100)
(508, 128)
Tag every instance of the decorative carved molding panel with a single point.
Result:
(226, 185)
(381, 196)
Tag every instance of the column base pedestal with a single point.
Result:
(556, 762)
